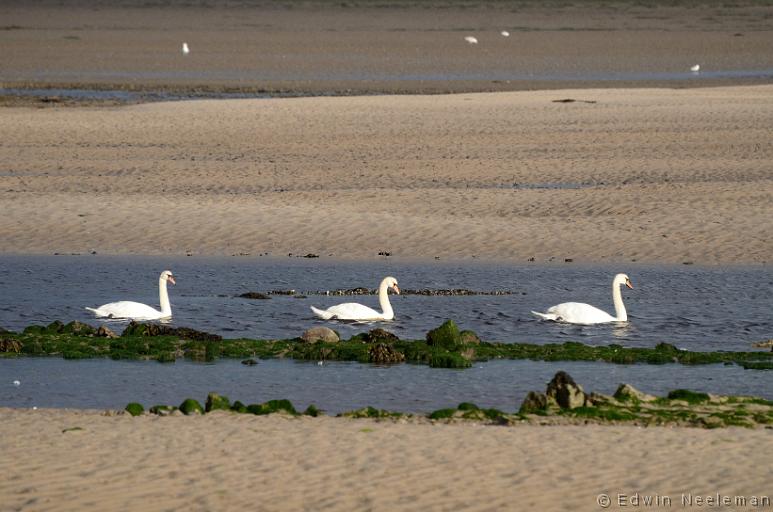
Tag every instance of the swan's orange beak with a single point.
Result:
(628, 284)
(170, 279)
(396, 289)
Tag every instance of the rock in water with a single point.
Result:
(565, 392)
(315, 334)
(446, 336)
(381, 353)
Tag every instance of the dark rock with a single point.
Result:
(315, 334)
(215, 402)
(469, 338)
(10, 345)
(566, 393)
(191, 406)
(135, 409)
(54, 327)
(534, 403)
(105, 332)
(272, 406)
(143, 329)
(312, 411)
(379, 335)
(382, 353)
(254, 295)
(239, 407)
(310, 255)
(249, 362)
(446, 336)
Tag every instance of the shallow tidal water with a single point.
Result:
(692, 307)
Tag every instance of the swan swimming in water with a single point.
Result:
(585, 314)
(354, 311)
(138, 311)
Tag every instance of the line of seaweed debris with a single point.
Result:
(443, 347)
(563, 402)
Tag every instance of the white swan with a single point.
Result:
(585, 314)
(354, 311)
(136, 310)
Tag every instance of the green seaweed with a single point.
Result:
(271, 407)
(191, 406)
(691, 397)
(134, 408)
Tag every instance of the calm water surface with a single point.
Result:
(692, 307)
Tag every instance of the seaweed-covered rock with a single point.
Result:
(239, 407)
(249, 362)
(149, 329)
(215, 402)
(691, 397)
(315, 334)
(534, 403)
(272, 406)
(54, 327)
(312, 411)
(79, 329)
(191, 406)
(382, 353)
(379, 335)
(469, 337)
(105, 332)
(134, 409)
(565, 392)
(446, 336)
(254, 295)
(10, 345)
(628, 393)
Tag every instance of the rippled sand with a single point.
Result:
(651, 175)
(65, 460)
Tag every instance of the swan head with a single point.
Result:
(166, 275)
(623, 279)
(391, 282)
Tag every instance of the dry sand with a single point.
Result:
(651, 175)
(244, 462)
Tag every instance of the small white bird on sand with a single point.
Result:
(505, 33)
(186, 50)
(471, 39)
(696, 68)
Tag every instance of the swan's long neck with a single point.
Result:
(163, 298)
(383, 300)
(617, 299)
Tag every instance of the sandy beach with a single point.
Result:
(647, 175)
(225, 461)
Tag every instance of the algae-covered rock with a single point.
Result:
(381, 353)
(215, 401)
(534, 403)
(315, 334)
(628, 393)
(691, 397)
(469, 337)
(446, 336)
(566, 393)
(239, 407)
(254, 295)
(312, 411)
(249, 362)
(191, 406)
(79, 329)
(272, 406)
(135, 409)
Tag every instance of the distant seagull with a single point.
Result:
(505, 33)
(186, 50)
(471, 40)
(696, 68)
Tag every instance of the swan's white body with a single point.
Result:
(136, 310)
(585, 314)
(354, 311)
